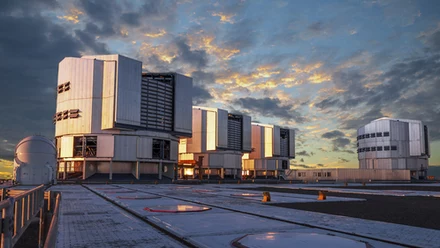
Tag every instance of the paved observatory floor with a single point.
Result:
(86, 220)
(89, 221)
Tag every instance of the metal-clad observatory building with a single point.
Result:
(392, 144)
(220, 138)
(113, 121)
(272, 149)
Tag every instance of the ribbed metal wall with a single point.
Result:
(284, 142)
(157, 102)
(235, 132)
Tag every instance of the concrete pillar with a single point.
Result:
(65, 171)
(84, 170)
(255, 173)
(160, 170)
(222, 173)
(110, 177)
(209, 172)
(234, 171)
(266, 174)
(137, 171)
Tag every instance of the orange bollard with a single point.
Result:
(266, 196)
(321, 196)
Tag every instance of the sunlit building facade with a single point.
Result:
(113, 121)
(394, 144)
(218, 142)
(272, 149)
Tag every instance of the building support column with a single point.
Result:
(110, 176)
(209, 172)
(84, 170)
(160, 170)
(222, 173)
(234, 172)
(65, 170)
(266, 173)
(137, 171)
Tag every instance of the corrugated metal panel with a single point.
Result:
(66, 147)
(157, 102)
(414, 139)
(97, 96)
(173, 150)
(247, 133)
(79, 72)
(144, 147)
(234, 133)
(183, 104)
(268, 142)
(106, 144)
(211, 130)
(276, 141)
(222, 128)
(128, 101)
(125, 148)
(291, 143)
(108, 95)
(257, 142)
(284, 142)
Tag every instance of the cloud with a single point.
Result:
(333, 134)
(197, 58)
(340, 143)
(342, 160)
(303, 153)
(301, 160)
(200, 95)
(270, 108)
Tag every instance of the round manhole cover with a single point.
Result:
(177, 209)
(310, 240)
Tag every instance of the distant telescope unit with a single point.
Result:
(35, 161)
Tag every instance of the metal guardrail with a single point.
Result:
(51, 237)
(17, 214)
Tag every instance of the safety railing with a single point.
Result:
(17, 214)
(51, 237)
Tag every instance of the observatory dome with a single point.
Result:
(35, 161)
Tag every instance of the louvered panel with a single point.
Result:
(234, 133)
(284, 142)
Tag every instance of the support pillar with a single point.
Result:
(266, 174)
(110, 177)
(234, 172)
(137, 171)
(160, 170)
(65, 171)
(209, 172)
(84, 170)
(222, 173)
(255, 173)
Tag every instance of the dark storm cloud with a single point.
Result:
(200, 95)
(34, 46)
(348, 151)
(88, 40)
(340, 143)
(433, 41)
(302, 165)
(101, 11)
(333, 134)
(242, 35)
(203, 78)
(270, 108)
(132, 19)
(328, 103)
(303, 153)
(196, 58)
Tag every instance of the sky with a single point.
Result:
(324, 68)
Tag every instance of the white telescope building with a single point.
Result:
(35, 161)
(272, 148)
(114, 122)
(220, 138)
(393, 144)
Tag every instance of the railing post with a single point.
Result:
(7, 215)
(42, 228)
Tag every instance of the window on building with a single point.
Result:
(379, 148)
(319, 174)
(373, 135)
(386, 148)
(91, 146)
(379, 134)
(367, 149)
(373, 149)
(363, 136)
(386, 134)
(357, 145)
(161, 149)
(393, 148)
(327, 174)
(78, 145)
(315, 174)
(357, 138)
(284, 164)
(367, 135)
(301, 174)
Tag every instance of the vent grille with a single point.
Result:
(235, 132)
(284, 142)
(157, 102)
